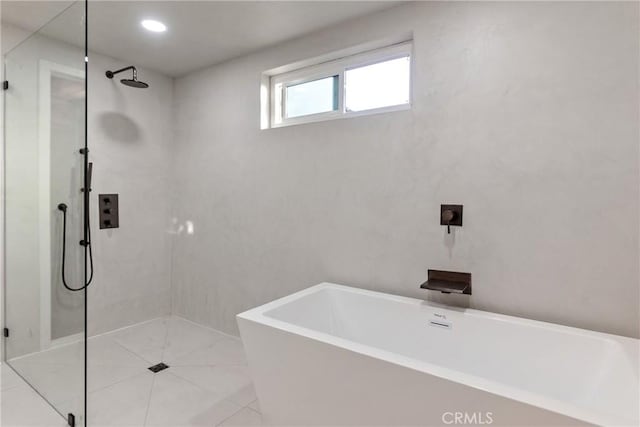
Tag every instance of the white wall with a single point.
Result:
(23, 237)
(7, 41)
(130, 140)
(131, 143)
(65, 176)
(526, 113)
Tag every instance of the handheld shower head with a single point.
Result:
(133, 82)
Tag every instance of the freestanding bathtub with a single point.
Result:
(333, 355)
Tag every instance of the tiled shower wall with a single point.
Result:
(130, 144)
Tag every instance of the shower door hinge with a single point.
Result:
(6, 332)
(71, 420)
(5, 84)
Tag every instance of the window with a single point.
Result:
(314, 97)
(377, 85)
(367, 83)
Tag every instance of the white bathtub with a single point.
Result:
(335, 355)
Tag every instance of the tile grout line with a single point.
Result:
(167, 321)
(166, 338)
(139, 356)
(122, 328)
(102, 334)
(50, 408)
(180, 377)
(153, 381)
(225, 398)
(34, 353)
(210, 346)
(215, 365)
(235, 337)
(33, 389)
(117, 382)
(236, 413)
(146, 413)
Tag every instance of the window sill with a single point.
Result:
(334, 115)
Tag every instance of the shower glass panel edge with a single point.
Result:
(86, 207)
(45, 109)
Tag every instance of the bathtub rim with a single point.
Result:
(258, 315)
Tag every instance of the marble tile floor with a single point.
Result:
(207, 382)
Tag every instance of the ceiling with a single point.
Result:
(200, 33)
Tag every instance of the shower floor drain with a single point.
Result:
(159, 367)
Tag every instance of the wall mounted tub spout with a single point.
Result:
(448, 282)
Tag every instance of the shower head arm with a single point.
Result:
(132, 82)
(110, 74)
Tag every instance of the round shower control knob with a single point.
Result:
(448, 215)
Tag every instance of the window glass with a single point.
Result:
(383, 84)
(316, 96)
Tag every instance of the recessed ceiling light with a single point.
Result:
(155, 26)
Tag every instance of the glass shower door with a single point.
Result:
(45, 108)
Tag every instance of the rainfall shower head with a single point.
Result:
(133, 82)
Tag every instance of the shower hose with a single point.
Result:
(62, 207)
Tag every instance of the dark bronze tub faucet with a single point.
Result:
(448, 282)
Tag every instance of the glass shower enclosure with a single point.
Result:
(45, 177)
